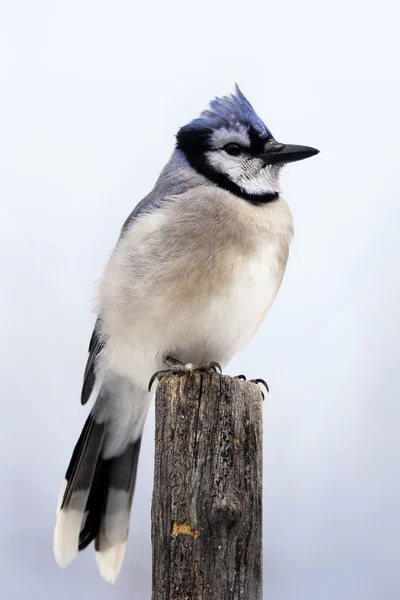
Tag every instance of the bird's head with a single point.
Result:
(231, 145)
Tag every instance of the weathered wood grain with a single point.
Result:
(207, 497)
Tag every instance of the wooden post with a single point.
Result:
(207, 497)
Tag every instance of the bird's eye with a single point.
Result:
(233, 149)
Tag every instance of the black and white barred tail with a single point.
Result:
(95, 500)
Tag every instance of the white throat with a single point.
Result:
(261, 183)
(249, 174)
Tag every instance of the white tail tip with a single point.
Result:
(66, 532)
(110, 561)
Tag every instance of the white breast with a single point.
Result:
(193, 288)
(250, 296)
(217, 329)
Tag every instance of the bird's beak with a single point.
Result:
(276, 153)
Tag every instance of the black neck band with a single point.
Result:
(200, 165)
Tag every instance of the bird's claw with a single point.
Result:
(210, 366)
(175, 366)
(256, 381)
(158, 375)
(259, 381)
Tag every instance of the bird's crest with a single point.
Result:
(230, 111)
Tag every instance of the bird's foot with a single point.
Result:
(176, 366)
(256, 381)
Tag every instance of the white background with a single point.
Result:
(92, 93)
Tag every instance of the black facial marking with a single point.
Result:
(195, 142)
(257, 143)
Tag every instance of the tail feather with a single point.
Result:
(95, 503)
(95, 500)
(112, 534)
(75, 491)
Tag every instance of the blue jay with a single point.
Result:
(197, 265)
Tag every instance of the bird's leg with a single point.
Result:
(176, 366)
(256, 381)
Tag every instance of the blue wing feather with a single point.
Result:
(175, 179)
